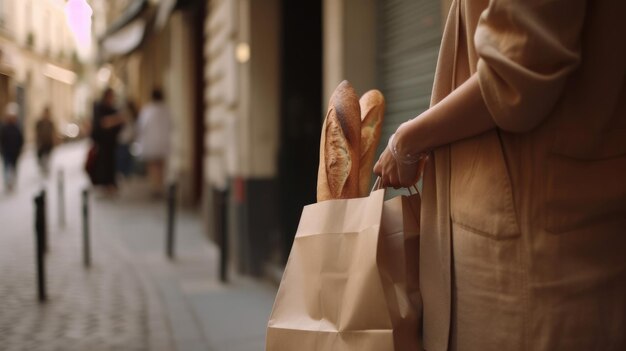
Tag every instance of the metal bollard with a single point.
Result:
(171, 220)
(61, 195)
(44, 221)
(223, 232)
(86, 244)
(40, 234)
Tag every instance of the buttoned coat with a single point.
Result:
(523, 242)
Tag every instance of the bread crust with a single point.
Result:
(372, 106)
(338, 172)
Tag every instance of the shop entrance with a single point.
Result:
(301, 115)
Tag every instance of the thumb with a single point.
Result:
(377, 168)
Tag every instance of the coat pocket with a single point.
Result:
(583, 193)
(481, 196)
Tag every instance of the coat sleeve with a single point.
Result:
(527, 49)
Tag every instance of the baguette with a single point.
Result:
(338, 173)
(372, 106)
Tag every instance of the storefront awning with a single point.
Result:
(134, 10)
(126, 33)
(124, 40)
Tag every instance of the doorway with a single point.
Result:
(301, 115)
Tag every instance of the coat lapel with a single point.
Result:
(436, 242)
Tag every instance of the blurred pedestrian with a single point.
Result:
(107, 124)
(11, 142)
(153, 137)
(45, 137)
(125, 140)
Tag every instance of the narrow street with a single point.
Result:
(132, 297)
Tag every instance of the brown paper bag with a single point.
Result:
(351, 281)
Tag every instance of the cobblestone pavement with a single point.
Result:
(110, 306)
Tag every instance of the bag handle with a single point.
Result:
(378, 186)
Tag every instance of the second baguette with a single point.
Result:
(372, 106)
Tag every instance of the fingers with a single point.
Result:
(395, 175)
(394, 180)
(382, 163)
(390, 176)
(386, 168)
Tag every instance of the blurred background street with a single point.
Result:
(132, 297)
(225, 99)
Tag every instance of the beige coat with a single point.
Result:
(524, 228)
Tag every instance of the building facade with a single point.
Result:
(248, 83)
(38, 61)
(270, 68)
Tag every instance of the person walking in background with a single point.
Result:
(125, 140)
(153, 137)
(45, 137)
(11, 142)
(107, 124)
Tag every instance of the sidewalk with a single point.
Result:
(203, 313)
(132, 297)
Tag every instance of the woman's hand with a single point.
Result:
(395, 174)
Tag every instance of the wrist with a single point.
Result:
(400, 143)
(401, 155)
(401, 150)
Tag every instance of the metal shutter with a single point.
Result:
(409, 36)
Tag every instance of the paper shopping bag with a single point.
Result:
(398, 264)
(351, 280)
